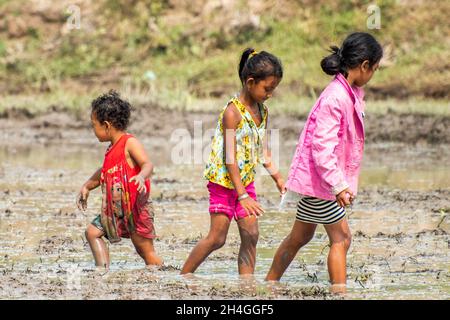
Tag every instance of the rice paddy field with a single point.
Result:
(176, 62)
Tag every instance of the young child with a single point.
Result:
(326, 164)
(127, 210)
(237, 147)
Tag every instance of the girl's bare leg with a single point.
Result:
(299, 236)
(98, 246)
(248, 230)
(214, 240)
(248, 284)
(340, 239)
(144, 247)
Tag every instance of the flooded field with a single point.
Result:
(400, 227)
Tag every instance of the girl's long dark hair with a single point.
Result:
(355, 49)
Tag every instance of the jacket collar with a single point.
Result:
(340, 77)
(356, 94)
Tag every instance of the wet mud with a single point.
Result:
(399, 222)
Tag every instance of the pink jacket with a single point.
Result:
(329, 152)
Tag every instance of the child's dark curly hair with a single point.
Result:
(110, 107)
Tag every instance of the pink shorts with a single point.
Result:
(225, 201)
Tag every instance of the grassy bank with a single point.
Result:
(184, 55)
(288, 105)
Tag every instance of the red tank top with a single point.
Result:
(121, 203)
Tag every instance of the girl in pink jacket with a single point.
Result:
(326, 164)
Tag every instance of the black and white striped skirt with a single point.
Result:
(319, 211)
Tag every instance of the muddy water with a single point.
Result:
(400, 226)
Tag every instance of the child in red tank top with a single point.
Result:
(127, 210)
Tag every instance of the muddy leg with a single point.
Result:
(248, 284)
(144, 247)
(213, 241)
(300, 235)
(248, 230)
(340, 239)
(98, 246)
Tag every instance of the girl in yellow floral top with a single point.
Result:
(237, 147)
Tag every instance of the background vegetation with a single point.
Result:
(184, 54)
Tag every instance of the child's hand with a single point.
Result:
(140, 182)
(345, 198)
(251, 207)
(82, 198)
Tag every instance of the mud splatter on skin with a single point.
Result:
(286, 257)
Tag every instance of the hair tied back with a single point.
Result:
(337, 51)
(254, 53)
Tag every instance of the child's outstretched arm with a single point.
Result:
(231, 120)
(275, 174)
(92, 183)
(137, 153)
(272, 168)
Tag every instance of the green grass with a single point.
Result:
(288, 104)
(199, 71)
(41, 103)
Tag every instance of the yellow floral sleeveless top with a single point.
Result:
(249, 147)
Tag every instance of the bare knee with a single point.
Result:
(91, 233)
(343, 242)
(347, 241)
(298, 241)
(216, 242)
(250, 237)
(88, 234)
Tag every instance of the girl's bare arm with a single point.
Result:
(94, 181)
(271, 167)
(230, 122)
(274, 172)
(140, 157)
